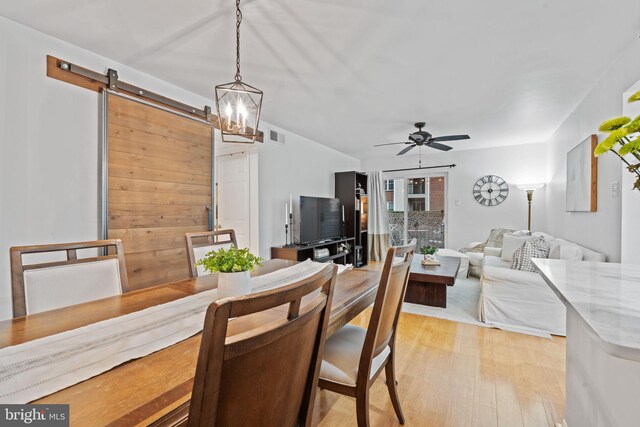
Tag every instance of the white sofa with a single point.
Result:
(475, 260)
(520, 300)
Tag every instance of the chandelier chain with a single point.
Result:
(238, 21)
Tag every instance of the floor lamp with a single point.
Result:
(529, 188)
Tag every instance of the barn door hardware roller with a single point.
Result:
(111, 82)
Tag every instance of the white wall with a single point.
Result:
(630, 232)
(597, 230)
(471, 221)
(49, 150)
(300, 167)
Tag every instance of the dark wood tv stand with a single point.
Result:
(304, 252)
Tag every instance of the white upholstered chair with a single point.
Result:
(354, 357)
(200, 244)
(48, 285)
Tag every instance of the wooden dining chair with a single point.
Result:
(48, 285)
(268, 375)
(200, 244)
(354, 357)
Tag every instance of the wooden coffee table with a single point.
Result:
(428, 284)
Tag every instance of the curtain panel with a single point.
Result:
(378, 222)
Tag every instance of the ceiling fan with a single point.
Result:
(423, 138)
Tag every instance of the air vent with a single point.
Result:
(276, 136)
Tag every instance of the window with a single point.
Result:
(417, 204)
(417, 186)
(416, 209)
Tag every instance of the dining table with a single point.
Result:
(155, 389)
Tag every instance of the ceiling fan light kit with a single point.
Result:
(238, 103)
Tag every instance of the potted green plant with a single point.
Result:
(234, 267)
(623, 141)
(428, 252)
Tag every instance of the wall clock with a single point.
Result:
(490, 190)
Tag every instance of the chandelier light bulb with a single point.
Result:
(243, 113)
(238, 103)
(229, 112)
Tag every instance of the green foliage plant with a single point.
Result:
(232, 260)
(623, 141)
(428, 250)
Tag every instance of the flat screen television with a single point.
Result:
(319, 219)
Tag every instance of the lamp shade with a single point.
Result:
(238, 106)
(530, 187)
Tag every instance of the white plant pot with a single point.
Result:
(233, 284)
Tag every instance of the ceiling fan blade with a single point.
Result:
(450, 138)
(438, 146)
(406, 149)
(392, 143)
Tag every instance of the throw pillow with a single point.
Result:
(546, 236)
(537, 248)
(561, 249)
(477, 248)
(510, 244)
(496, 237)
(554, 250)
(556, 244)
(494, 241)
(570, 252)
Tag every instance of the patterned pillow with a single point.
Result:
(537, 248)
(496, 237)
(494, 240)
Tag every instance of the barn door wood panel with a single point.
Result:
(159, 186)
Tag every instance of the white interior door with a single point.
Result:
(233, 201)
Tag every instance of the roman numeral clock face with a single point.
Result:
(490, 190)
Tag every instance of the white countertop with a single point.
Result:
(605, 295)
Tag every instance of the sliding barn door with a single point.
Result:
(159, 187)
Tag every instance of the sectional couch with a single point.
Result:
(521, 300)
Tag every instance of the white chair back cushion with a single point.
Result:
(55, 287)
(201, 251)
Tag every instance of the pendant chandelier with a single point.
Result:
(238, 103)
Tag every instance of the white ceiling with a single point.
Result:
(351, 74)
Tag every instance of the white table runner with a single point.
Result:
(37, 368)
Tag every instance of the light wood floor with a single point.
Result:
(453, 374)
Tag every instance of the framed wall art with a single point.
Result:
(582, 177)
